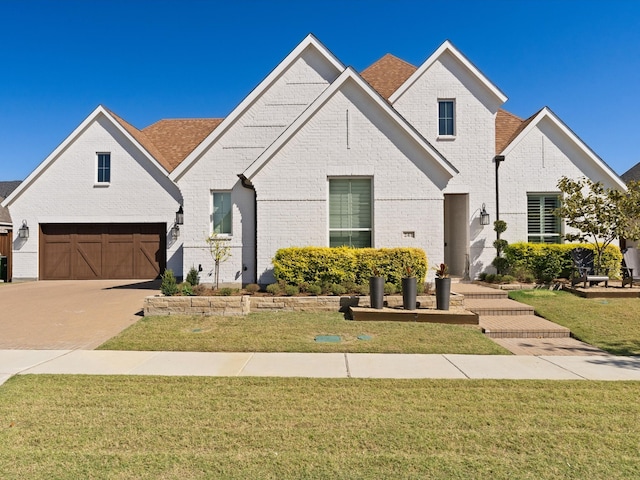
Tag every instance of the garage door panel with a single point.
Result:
(148, 259)
(119, 257)
(102, 251)
(59, 266)
(88, 260)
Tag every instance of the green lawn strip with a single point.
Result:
(296, 332)
(612, 324)
(186, 427)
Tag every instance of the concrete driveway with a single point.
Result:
(69, 315)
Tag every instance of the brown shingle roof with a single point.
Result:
(388, 74)
(170, 141)
(632, 175)
(508, 127)
(175, 139)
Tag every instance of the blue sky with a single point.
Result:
(153, 59)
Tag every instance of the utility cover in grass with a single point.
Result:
(328, 339)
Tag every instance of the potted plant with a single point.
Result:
(409, 289)
(376, 290)
(443, 287)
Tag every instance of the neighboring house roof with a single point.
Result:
(310, 41)
(546, 114)
(447, 47)
(348, 74)
(632, 175)
(388, 74)
(5, 218)
(7, 187)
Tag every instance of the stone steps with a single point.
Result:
(521, 326)
(497, 306)
(473, 291)
(501, 317)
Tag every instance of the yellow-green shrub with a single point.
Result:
(533, 256)
(327, 265)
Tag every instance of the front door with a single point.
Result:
(456, 233)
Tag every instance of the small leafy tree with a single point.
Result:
(501, 263)
(600, 214)
(220, 252)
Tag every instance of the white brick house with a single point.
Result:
(317, 154)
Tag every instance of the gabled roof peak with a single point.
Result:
(545, 113)
(448, 47)
(349, 74)
(308, 41)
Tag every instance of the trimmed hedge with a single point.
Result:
(544, 259)
(326, 265)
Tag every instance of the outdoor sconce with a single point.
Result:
(175, 232)
(180, 216)
(23, 231)
(484, 216)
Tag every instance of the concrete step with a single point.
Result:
(472, 290)
(521, 326)
(453, 316)
(498, 306)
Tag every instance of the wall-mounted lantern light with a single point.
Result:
(175, 232)
(180, 216)
(484, 216)
(23, 231)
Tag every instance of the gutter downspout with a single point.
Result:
(244, 181)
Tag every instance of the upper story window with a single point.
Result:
(104, 168)
(446, 118)
(542, 225)
(221, 218)
(350, 211)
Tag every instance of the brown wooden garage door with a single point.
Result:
(102, 251)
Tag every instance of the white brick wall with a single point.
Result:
(535, 165)
(349, 136)
(240, 145)
(292, 188)
(66, 193)
(473, 149)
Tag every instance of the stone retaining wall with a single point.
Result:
(245, 304)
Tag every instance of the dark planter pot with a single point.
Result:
(443, 292)
(409, 293)
(376, 292)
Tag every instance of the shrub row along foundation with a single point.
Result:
(243, 305)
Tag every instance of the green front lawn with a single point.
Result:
(610, 324)
(72, 426)
(296, 332)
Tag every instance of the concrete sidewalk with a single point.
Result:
(317, 365)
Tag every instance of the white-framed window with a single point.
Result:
(221, 216)
(350, 212)
(103, 167)
(542, 225)
(446, 118)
